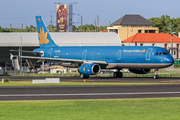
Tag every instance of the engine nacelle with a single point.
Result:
(89, 69)
(140, 71)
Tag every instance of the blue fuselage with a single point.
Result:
(115, 56)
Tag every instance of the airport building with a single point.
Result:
(129, 25)
(29, 41)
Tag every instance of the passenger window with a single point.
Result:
(157, 53)
(160, 53)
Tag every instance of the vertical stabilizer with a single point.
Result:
(44, 37)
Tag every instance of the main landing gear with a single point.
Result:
(118, 74)
(82, 76)
(156, 76)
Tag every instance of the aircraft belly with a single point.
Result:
(112, 66)
(136, 65)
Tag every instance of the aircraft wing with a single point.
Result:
(63, 59)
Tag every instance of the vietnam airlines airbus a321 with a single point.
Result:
(91, 59)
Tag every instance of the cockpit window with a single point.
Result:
(160, 53)
(165, 53)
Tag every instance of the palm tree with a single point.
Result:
(171, 29)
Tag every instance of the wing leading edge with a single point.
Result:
(64, 60)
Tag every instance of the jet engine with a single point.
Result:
(89, 69)
(140, 71)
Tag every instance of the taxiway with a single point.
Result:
(89, 92)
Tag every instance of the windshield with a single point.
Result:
(162, 53)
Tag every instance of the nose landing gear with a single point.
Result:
(156, 76)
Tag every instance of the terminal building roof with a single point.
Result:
(132, 20)
(61, 39)
(152, 38)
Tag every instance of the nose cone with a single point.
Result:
(170, 60)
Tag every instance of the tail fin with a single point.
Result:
(45, 39)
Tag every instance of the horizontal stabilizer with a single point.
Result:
(24, 51)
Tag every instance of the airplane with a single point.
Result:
(91, 59)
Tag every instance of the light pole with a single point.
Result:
(21, 55)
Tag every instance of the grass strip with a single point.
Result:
(118, 109)
(29, 83)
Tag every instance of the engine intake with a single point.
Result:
(90, 69)
(140, 71)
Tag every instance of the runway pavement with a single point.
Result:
(101, 79)
(89, 92)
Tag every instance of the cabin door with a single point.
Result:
(49, 52)
(119, 55)
(148, 54)
(84, 55)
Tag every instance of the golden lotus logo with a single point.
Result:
(84, 69)
(143, 50)
(43, 37)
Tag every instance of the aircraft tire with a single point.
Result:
(120, 75)
(82, 76)
(156, 76)
(86, 76)
(115, 75)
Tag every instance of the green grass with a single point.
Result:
(161, 73)
(29, 83)
(45, 74)
(119, 109)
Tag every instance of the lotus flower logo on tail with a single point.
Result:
(43, 37)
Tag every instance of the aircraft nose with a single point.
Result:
(170, 60)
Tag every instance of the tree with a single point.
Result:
(1, 29)
(171, 29)
(54, 28)
(31, 28)
(74, 28)
(163, 23)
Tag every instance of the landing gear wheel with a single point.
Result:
(156, 76)
(86, 76)
(120, 74)
(115, 74)
(82, 76)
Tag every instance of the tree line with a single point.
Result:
(83, 28)
(27, 29)
(164, 22)
(161, 22)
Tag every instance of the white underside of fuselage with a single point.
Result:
(137, 65)
(127, 65)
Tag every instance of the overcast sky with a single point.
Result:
(24, 11)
